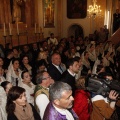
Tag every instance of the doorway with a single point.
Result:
(76, 31)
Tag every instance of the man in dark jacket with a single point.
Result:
(56, 68)
(69, 75)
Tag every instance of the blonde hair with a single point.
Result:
(41, 55)
(80, 83)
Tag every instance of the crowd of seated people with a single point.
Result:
(33, 69)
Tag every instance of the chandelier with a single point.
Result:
(94, 10)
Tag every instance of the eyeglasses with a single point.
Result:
(47, 78)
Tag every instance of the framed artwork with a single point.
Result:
(76, 9)
(48, 12)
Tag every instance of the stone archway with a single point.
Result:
(75, 30)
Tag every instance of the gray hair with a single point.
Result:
(56, 90)
(39, 77)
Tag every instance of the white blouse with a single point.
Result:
(29, 92)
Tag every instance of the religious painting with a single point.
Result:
(17, 8)
(48, 8)
(76, 9)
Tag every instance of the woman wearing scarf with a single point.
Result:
(14, 73)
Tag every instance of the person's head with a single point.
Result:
(44, 44)
(25, 59)
(92, 47)
(110, 43)
(56, 59)
(52, 35)
(109, 76)
(16, 96)
(86, 55)
(42, 55)
(117, 11)
(1, 61)
(26, 77)
(41, 66)
(15, 63)
(34, 46)
(10, 54)
(80, 84)
(15, 51)
(101, 44)
(44, 79)
(7, 86)
(66, 52)
(73, 65)
(61, 95)
(73, 50)
(25, 48)
(79, 60)
(105, 75)
(105, 26)
(60, 48)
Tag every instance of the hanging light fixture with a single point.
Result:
(94, 10)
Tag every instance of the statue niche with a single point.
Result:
(17, 10)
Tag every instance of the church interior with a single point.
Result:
(28, 21)
(59, 59)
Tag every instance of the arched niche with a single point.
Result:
(75, 30)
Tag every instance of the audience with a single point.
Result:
(49, 59)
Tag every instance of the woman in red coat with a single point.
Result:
(82, 104)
